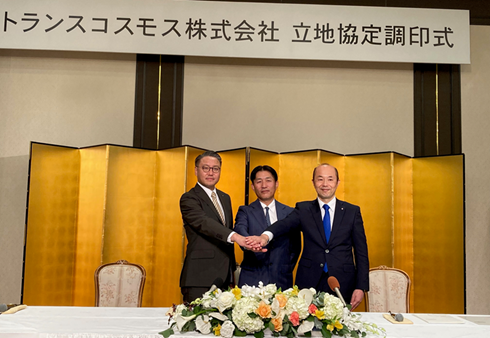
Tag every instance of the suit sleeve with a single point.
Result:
(285, 226)
(241, 222)
(361, 253)
(195, 216)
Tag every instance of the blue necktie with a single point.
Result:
(267, 217)
(326, 228)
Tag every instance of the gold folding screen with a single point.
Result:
(97, 205)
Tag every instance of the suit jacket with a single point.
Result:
(209, 256)
(345, 253)
(277, 264)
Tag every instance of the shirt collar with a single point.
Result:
(207, 190)
(271, 206)
(330, 204)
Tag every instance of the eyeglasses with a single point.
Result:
(206, 169)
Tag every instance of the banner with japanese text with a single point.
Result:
(231, 29)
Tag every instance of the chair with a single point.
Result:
(119, 284)
(389, 290)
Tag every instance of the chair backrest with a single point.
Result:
(119, 284)
(389, 290)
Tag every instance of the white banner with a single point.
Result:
(230, 29)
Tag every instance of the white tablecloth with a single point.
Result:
(93, 322)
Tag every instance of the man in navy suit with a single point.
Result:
(333, 246)
(277, 264)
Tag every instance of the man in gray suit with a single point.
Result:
(208, 223)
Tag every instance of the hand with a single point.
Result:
(356, 299)
(257, 243)
(240, 240)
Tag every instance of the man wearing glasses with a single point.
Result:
(208, 223)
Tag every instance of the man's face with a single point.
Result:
(208, 172)
(325, 182)
(265, 186)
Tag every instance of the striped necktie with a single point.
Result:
(218, 208)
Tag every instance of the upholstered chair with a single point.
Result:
(389, 290)
(119, 284)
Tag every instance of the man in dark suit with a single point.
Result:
(333, 246)
(208, 223)
(277, 264)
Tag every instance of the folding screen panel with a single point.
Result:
(100, 204)
(438, 246)
(51, 231)
(91, 220)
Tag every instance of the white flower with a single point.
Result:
(227, 329)
(267, 292)
(298, 305)
(179, 309)
(307, 295)
(305, 326)
(203, 324)
(334, 309)
(242, 320)
(181, 320)
(219, 316)
(225, 301)
(250, 291)
(275, 307)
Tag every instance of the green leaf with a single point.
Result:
(167, 333)
(259, 334)
(354, 334)
(307, 334)
(310, 318)
(187, 313)
(325, 332)
(285, 329)
(253, 315)
(271, 327)
(239, 333)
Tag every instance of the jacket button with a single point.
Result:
(327, 251)
(321, 265)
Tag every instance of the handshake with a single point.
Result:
(253, 243)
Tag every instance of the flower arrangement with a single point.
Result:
(252, 310)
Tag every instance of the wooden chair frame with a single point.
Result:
(120, 262)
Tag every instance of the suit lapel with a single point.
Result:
(317, 216)
(226, 209)
(258, 212)
(280, 210)
(337, 218)
(204, 197)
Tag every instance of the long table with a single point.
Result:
(103, 322)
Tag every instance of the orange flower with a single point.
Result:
(264, 310)
(312, 308)
(294, 318)
(277, 324)
(282, 299)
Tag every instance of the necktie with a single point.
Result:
(267, 217)
(216, 205)
(326, 228)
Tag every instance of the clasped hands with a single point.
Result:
(253, 243)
